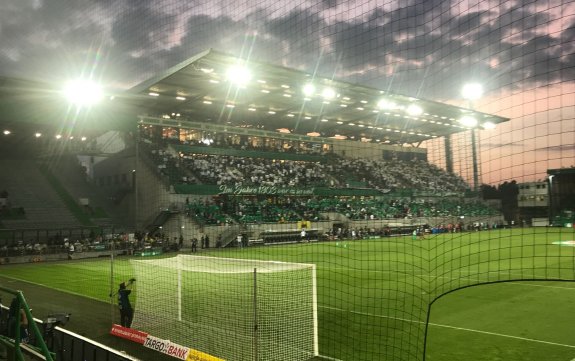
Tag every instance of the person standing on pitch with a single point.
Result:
(126, 311)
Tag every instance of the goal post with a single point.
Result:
(235, 309)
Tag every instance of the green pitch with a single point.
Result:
(373, 294)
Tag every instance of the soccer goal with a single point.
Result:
(235, 309)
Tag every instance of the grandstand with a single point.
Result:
(274, 175)
(266, 170)
(257, 160)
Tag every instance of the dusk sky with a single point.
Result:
(523, 52)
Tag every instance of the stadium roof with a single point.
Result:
(28, 106)
(561, 171)
(202, 89)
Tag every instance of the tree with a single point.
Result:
(509, 192)
(489, 192)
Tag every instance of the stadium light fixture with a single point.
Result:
(328, 93)
(82, 93)
(386, 104)
(488, 125)
(468, 121)
(472, 91)
(414, 110)
(309, 89)
(6, 132)
(38, 135)
(239, 75)
(58, 136)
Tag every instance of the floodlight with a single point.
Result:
(472, 91)
(309, 89)
(328, 93)
(7, 132)
(489, 125)
(386, 104)
(38, 135)
(414, 110)
(83, 92)
(239, 75)
(58, 136)
(468, 121)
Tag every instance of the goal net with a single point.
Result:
(235, 309)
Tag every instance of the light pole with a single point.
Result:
(471, 92)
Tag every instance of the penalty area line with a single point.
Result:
(453, 327)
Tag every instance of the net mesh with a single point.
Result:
(232, 309)
(383, 292)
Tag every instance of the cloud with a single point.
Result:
(328, 4)
(560, 148)
(140, 28)
(421, 48)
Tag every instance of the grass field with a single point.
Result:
(373, 295)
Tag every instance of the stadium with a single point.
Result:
(248, 207)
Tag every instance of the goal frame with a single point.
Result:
(254, 271)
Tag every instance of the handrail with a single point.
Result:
(17, 339)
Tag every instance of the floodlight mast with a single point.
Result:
(471, 92)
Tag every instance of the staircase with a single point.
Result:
(28, 188)
(68, 172)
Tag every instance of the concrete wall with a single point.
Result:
(349, 149)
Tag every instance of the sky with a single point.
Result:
(523, 52)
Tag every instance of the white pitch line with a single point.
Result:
(452, 327)
(502, 335)
(545, 286)
(459, 278)
(328, 358)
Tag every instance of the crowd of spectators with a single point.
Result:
(92, 242)
(335, 172)
(239, 171)
(242, 142)
(398, 174)
(207, 212)
(291, 209)
(167, 165)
